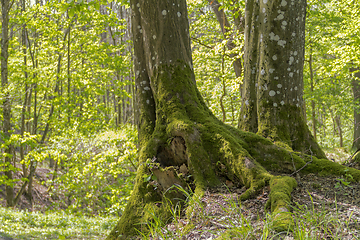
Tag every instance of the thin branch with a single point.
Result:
(303, 166)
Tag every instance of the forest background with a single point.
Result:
(68, 104)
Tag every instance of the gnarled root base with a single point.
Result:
(190, 148)
(204, 155)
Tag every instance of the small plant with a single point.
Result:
(346, 181)
(341, 182)
(36, 225)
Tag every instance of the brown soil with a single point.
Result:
(328, 201)
(41, 198)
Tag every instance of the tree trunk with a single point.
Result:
(223, 87)
(26, 95)
(274, 57)
(339, 130)
(5, 9)
(248, 119)
(69, 110)
(356, 94)
(313, 113)
(182, 144)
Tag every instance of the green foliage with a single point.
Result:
(332, 43)
(69, 78)
(16, 140)
(96, 172)
(76, 63)
(213, 61)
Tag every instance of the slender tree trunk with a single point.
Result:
(33, 87)
(5, 9)
(313, 112)
(23, 111)
(69, 74)
(22, 189)
(132, 74)
(224, 87)
(323, 119)
(35, 113)
(338, 125)
(356, 95)
(232, 110)
(116, 99)
(332, 115)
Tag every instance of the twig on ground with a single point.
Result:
(304, 165)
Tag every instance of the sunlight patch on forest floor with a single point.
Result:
(35, 225)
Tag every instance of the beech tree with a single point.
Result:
(183, 145)
(273, 84)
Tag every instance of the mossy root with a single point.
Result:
(280, 197)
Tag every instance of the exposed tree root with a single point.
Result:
(202, 154)
(190, 148)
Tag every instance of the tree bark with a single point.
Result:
(339, 130)
(248, 119)
(5, 9)
(26, 95)
(274, 57)
(69, 110)
(313, 113)
(356, 94)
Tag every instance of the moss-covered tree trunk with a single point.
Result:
(182, 144)
(274, 58)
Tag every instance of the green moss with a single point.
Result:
(324, 167)
(280, 191)
(214, 151)
(286, 125)
(280, 197)
(284, 145)
(234, 233)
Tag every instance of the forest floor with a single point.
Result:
(323, 208)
